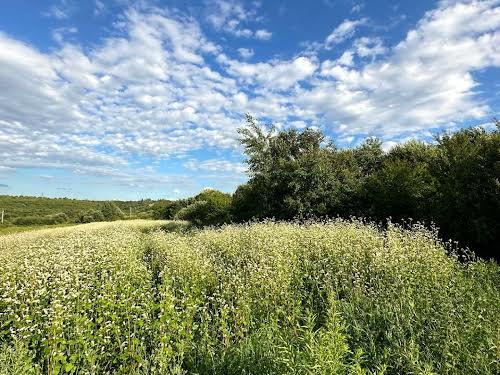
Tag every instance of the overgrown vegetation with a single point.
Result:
(453, 182)
(337, 297)
(30, 211)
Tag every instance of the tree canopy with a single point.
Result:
(452, 182)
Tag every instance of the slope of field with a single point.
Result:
(23, 206)
(9, 229)
(269, 298)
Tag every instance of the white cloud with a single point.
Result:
(263, 34)
(389, 145)
(245, 53)
(140, 94)
(221, 12)
(343, 32)
(99, 7)
(214, 165)
(369, 47)
(426, 82)
(59, 11)
(158, 89)
(346, 58)
(233, 17)
(6, 170)
(357, 8)
(275, 74)
(59, 33)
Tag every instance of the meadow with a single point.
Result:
(332, 297)
(26, 211)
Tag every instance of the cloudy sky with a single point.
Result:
(134, 99)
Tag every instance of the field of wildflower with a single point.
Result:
(337, 297)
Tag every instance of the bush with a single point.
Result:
(167, 210)
(58, 218)
(91, 216)
(211, 207)
(467, 203)
(245, 204)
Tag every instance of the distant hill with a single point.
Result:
(20, 207)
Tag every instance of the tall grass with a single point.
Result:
(266, 298)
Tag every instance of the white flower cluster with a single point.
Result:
(334, 297)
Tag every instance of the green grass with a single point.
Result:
(9, 229)
(24, 206)
(270, 298)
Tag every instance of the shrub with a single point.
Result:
(58, 218)
(168, 209)
(211, 207)
(245, 204)
(90, 216)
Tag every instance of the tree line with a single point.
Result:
(453, 182)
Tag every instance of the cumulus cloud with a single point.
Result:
(274, 75)
(234, 17)
(140, 94)
(427, 80)
(369, 47)
(263, 34)
(158, 89)
(245, 53)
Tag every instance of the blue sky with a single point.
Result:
(123, 99)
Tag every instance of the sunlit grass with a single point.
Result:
(9, 229)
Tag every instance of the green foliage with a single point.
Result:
(58, 218)
(167, 210)
(453, 182)
(369, 155)
(91, 216)
(337, 297)
(16, 358)
(111, 211)
(467, 202)
(210, 207)
(108, 211)
(26, 211)
(286, 169)
(404, 185)
(245, 204)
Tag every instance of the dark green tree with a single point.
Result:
(166, 210)
(246, 204)
(403, 186)
(453, 182)
(288, 171)
(111, 211)
(467, 201)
